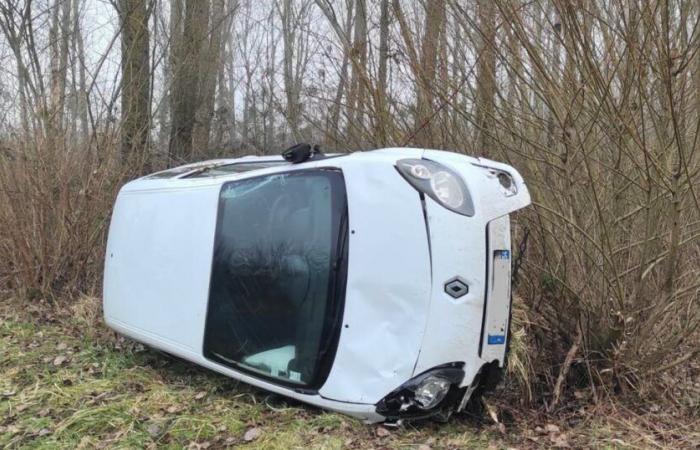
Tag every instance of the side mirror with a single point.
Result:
(301, 152)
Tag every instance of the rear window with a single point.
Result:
(277, 282)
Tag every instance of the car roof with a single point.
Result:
(188, 170)
(217, 171)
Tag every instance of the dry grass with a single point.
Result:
(54, 212)
(68, 382)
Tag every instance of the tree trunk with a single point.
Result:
(333, 120)
(271, 54)
(288, 37)
(22, 85)
(58, 37)
(224, 95)
(356, 96)
(185, 95)
(80, 112)
(434, 19)
(486, 76)
(382, 111)
(209, 70)
(136, 82)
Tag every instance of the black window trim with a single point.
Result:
(336, 292)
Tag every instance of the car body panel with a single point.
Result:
(158, 262)
(388, 285)
(458, 249)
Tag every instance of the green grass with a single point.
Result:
(68, 382)
(113, 392)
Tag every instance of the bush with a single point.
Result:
(54, 213)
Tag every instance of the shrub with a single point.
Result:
(54, 212)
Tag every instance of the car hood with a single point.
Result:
(388, 285)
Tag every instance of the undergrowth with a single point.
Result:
(68, 382)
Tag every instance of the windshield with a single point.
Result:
(275, 300)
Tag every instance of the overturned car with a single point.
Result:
(376, 284)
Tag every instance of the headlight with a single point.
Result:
(430, 392)
(439, 183)
(425, 394)
(507, 183)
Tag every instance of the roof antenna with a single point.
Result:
(302, 152)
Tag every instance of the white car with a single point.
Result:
(376, 284)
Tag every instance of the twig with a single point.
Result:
(676, 362)
(565, 369)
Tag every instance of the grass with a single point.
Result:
(68, 382)
(65, 385)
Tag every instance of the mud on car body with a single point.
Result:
(376, 284)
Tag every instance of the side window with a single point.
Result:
(272, 304)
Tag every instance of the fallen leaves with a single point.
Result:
(382, 432)
(559, 440)
(59, 360)
(556, 437)
(153, 429)
(173, 409)
(252, 434)
(551, 428)
(10, 429)
(22, 406)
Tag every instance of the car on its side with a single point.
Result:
(376, 283)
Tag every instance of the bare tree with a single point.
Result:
(486, 75)
(80, 110)
(225, 105)
(295, 38)
(291, 83)
(357, 94)
(343, 33)
(136, 81)
(382, 109)
(185, 92)
(59, 38)
(423, 64)
(209, 71)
